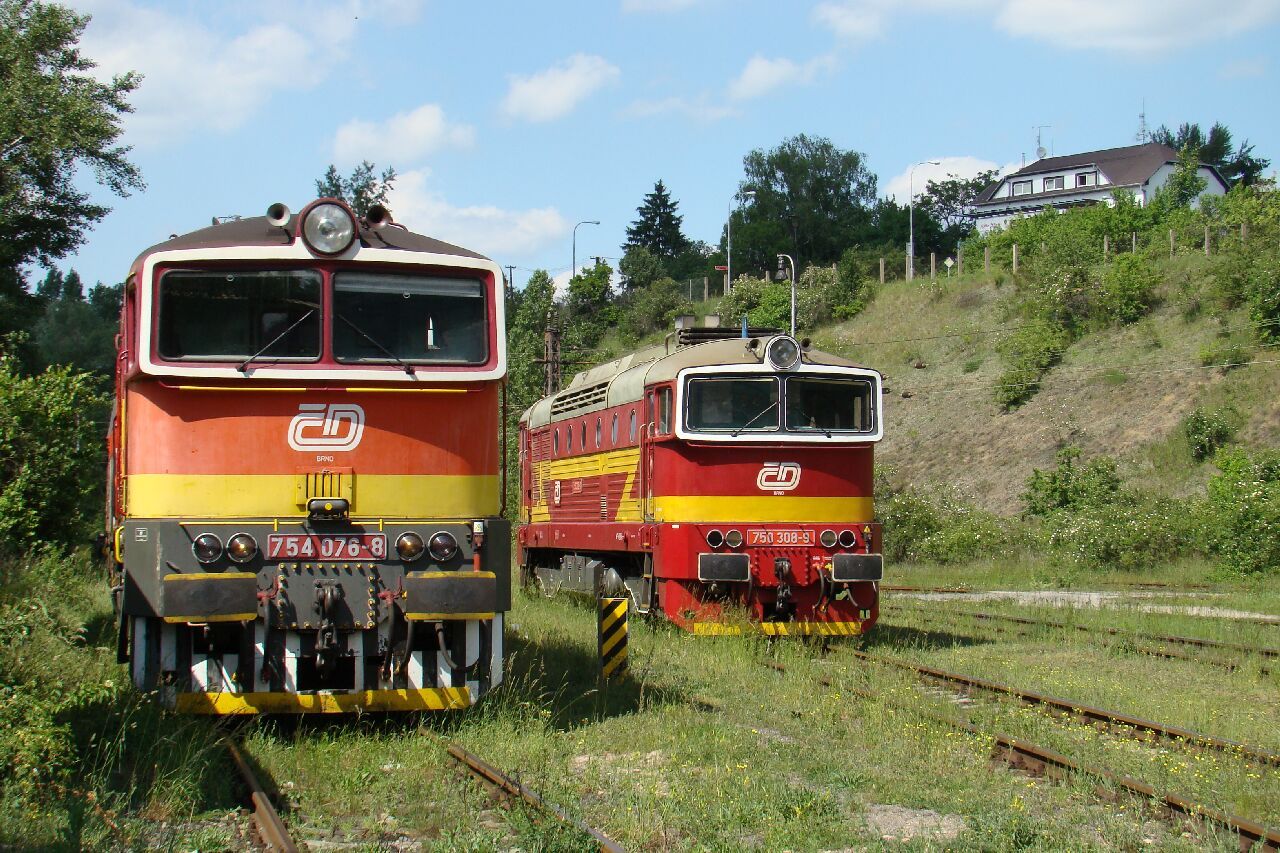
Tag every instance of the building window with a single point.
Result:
(1086, 179)
(1022, 188)
(1053, 183)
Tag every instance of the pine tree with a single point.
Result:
(658, 226)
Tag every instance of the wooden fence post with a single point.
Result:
(1171, 242)
(1015, 258)
(1106, 244)
(959, 260)
(1206, 241)
(986, 260)
(882, 270)
(1133, 238)
(706, 288)
(906, 265)
(933, 265)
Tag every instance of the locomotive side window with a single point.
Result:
(664, 411)
(599, 430)
(219, 316)
(733, 404)
(584, 435)
(555, 441)
(830, 405)
(633, 425)
(386, 317)
(613, 433)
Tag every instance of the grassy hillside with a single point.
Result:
(1120, 392)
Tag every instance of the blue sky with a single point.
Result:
(511, 121)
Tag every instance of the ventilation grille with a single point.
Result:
(592, 395)
(688, 337)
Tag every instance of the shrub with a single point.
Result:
(1133, 531)
(1028, 353)
(937, 527)
(51, 453)
(1208, 429)
(653, 308)
(1072, 486)
(1127, 290)
(1244, 509)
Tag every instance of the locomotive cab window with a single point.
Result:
(732, 404)
(221, 316)
(388, 317)
(664, 411)
(829, 405)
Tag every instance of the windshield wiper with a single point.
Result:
(408, 368)
(244, 365)
(764, 412)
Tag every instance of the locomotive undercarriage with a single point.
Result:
(296, 636)
(711, 605)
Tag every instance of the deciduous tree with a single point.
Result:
(361, 189)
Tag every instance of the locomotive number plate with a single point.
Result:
(756, 536)
(305, 546)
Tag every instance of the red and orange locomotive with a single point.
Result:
(304, 486)
(727, 473)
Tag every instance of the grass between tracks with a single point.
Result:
(779, 762)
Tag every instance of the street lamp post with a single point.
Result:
(573, 270)
(728, 254)
(911, 216)
(790, 261)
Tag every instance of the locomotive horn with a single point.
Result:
(278, 214)
(378, 216)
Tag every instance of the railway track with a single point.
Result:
(1170, 639)
(512, 789)
(1119, 633)
(965, 589)
(1142, 729)
(266, 827)
(1035, 759)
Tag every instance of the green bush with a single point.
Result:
(1244, 511)
(1135, 531)
(1028, 354)
(939, 527)
(653, 308)
(1071, 486)
(51, 454)
(1207, 429)
(1128, 287)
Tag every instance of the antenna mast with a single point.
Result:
(1144, 135)
(1041, 153)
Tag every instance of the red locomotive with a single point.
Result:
(718, 476)
(305, 478)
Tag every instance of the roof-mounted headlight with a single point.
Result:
(783, 352)
(328, 228)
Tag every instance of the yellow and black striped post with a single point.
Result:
(612, 636)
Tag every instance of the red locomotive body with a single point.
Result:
(720, 477)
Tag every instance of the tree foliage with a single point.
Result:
(361, 189)
(812, 201)
(657, 226)
(55, 122)
(949, 203)
(1214, 148)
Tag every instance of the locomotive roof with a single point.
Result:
(623, 380)
(257, 231)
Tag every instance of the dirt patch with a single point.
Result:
(899, 823)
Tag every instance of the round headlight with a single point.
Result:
(328, 228)
(733, 538)
(847, 539)
(242, 548)
(783, 352)
(207, 548)
(828, 538)
(715, 538)
(409, 546)
(442, 546)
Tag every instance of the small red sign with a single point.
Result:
(720, 268)
(308, 546)
(798, 538)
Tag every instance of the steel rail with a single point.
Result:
(1170, 654)
(1083, 710)
(499, 781)
(1173, 639)
(270, 828)
(1032, 758)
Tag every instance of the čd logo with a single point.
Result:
(326, 426)
(778, 477)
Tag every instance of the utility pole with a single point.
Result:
(511, 279)
(550, 357)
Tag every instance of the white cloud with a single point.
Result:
(555, 91)
(900, 186)
(490, 230)
(401, 139)
(1133, 26)
(761, 76)
(657, 5)
(215, 73)
(699, 109)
